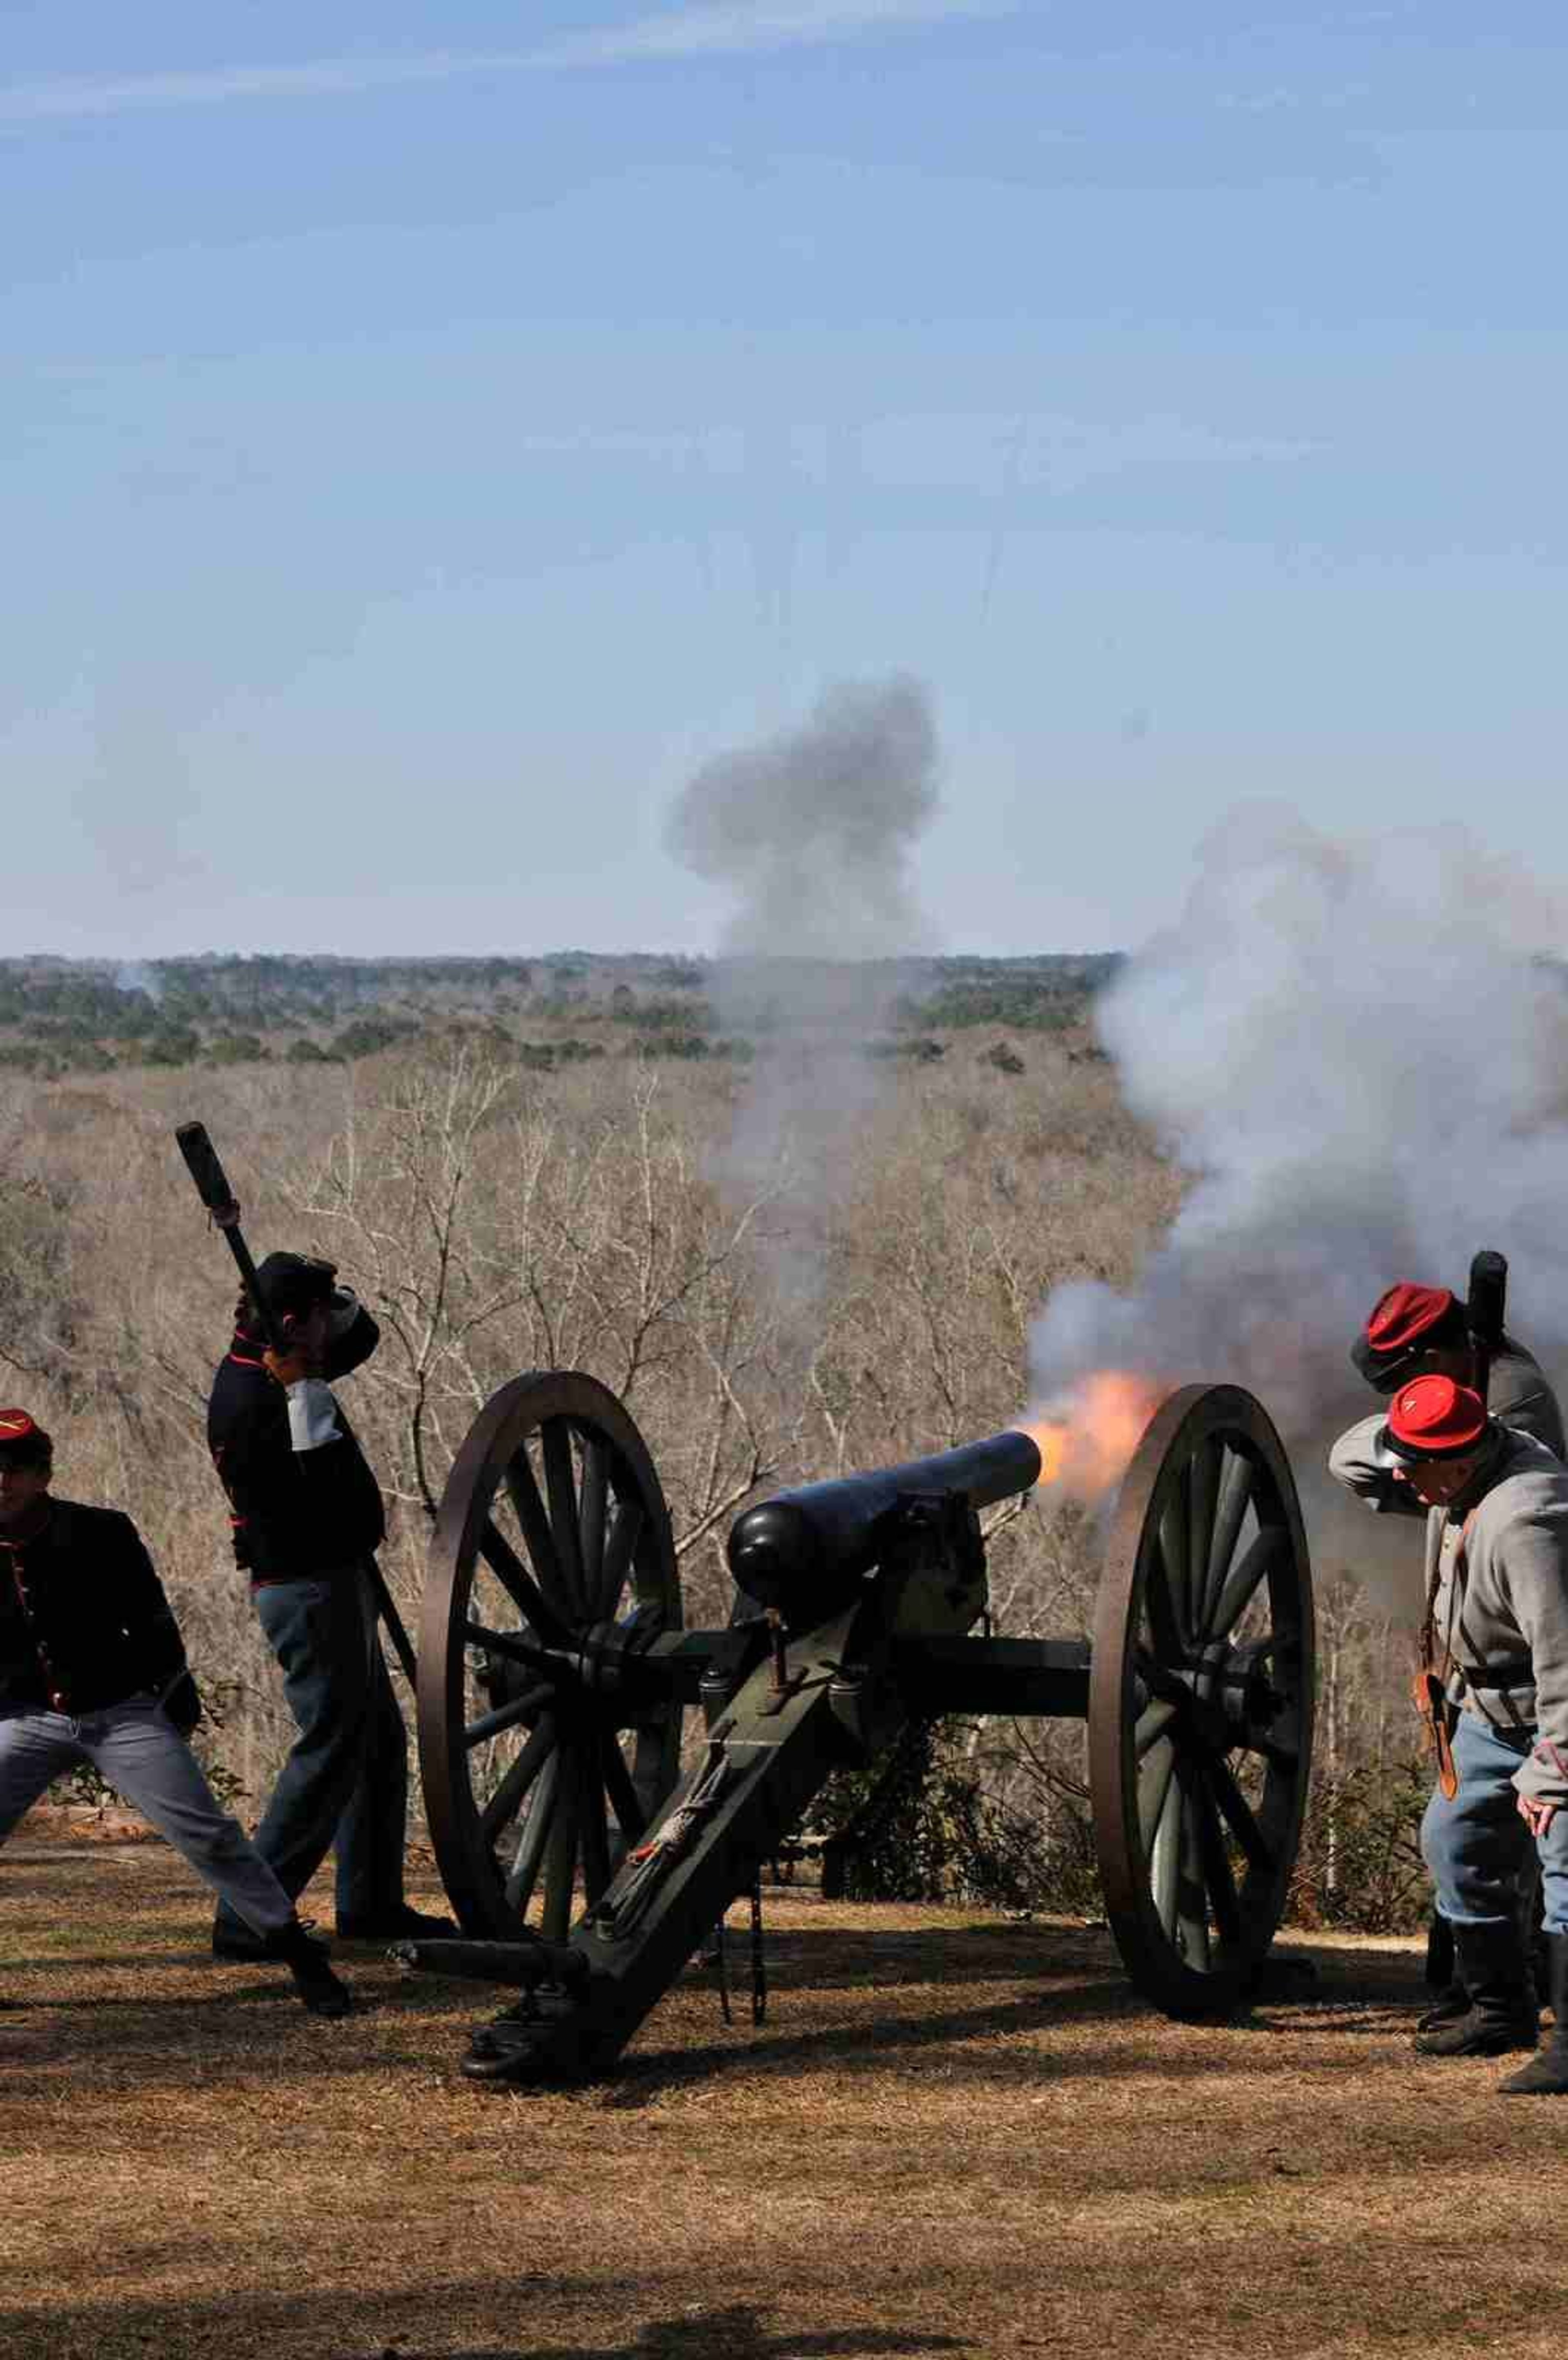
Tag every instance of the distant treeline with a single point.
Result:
(61, 1016)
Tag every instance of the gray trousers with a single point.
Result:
(136, 1749)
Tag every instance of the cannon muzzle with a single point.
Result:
(813, 1543)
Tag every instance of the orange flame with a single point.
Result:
(1086, 1442)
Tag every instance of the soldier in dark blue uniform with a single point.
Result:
(307, 1518)
(92, 1670)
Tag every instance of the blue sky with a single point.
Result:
(426, 435)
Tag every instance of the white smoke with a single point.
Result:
(813, 831)
(1360, 1055)
(134, 974)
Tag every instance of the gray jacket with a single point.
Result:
(1519, 1393)
(1502, 1594)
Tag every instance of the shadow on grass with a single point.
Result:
(360, 2327)
(154, 2038)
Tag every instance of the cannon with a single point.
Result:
(585, 1863)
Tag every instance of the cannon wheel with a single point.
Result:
(551, 1527)
(1201, 1700)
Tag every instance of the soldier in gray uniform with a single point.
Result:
(1498, 1613)
(1420, 1331)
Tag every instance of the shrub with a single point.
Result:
(924, 1829)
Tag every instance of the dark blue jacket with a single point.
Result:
(296, 1514)
(84, 1619)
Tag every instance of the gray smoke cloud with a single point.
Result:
(813, 831)
(1358, 1051)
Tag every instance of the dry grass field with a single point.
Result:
(952, 2134)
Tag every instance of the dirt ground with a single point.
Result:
(952, 2134)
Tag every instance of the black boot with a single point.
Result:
(1449, 1999)
(1549, 2072)
(1447, 2007)
(319, 1989)
(400, 1923)
(236, 1941)
(1501, 2013)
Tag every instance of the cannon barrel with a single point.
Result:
(823, 1535)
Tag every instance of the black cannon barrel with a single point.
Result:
(824, 1535)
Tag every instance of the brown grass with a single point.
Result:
(952, 2134)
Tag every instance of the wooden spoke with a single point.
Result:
(595, 1834)
(624, 1536)
(1173, 1549)
(509, 1796)
(1239, 1817)
(561, 1485)
(509, 1645)
(594, 1518)
(1162, 1612)
(1218, 1880)
(1152, 1723)
(1236, 1497)
(622, 1794)
(1165, 1857)
(1244, 1581)
(561, 1853)
(534, 1834)
(1154, 1786)
(507, 1716)
(1192, 1909)
(520, 1586)
(1202, 1499)
(522, 1490)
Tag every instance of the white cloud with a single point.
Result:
(732, 28)
(710, 29)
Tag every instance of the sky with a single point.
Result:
(428, 438)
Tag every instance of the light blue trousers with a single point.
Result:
(1476, 1845)
(135, 1748)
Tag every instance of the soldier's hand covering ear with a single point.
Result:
(291, 1364)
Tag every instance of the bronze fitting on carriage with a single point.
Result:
(556, 1671)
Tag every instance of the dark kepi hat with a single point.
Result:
(1432, 1418)
(1405, 1321)
(292, 1282)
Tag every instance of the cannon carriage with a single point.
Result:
(586, 1866)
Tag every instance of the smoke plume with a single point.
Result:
(813, 832)
(1358, 1051)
